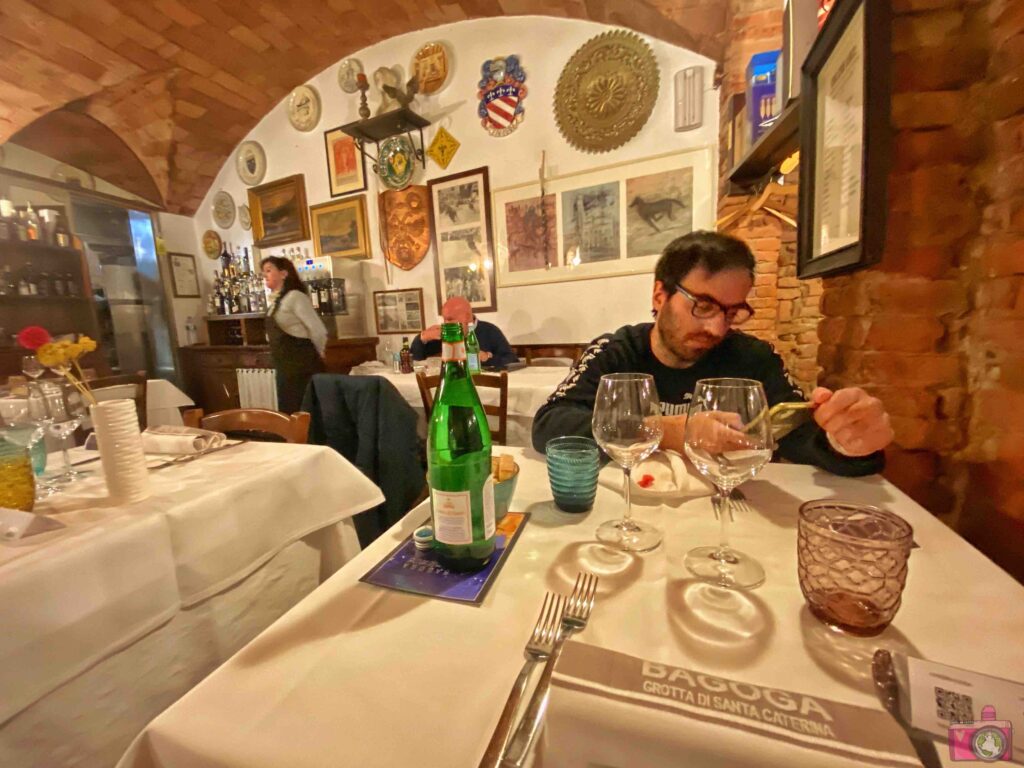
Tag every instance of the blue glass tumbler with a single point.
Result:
(573, 464)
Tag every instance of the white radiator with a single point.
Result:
(256, 388)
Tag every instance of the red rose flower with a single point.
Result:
(33, 337)
(646, 481)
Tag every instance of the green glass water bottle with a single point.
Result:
(472, 350)
(459, 463)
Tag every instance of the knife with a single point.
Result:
(888, 690)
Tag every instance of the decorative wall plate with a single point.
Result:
(430, 65)
(223, 210)
(405, 225)
(348, 71)
(396, 162)
(501, 93)
(211, 244)
(251, 163)
(304, 108)
(244, 218)
(607, 91)
(443, 148)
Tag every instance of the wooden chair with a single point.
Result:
(544, 352)
(131, 386)
(292, 428)
(428, 385)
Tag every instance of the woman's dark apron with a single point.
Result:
(295, 361)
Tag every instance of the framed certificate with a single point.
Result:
(184, 280)
(844, 141)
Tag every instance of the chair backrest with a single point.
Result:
(293, 428)
(532, 353)
(428, 385)
(129, 386)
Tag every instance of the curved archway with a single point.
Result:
(84, 142)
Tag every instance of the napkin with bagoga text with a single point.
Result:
(615, 710)
(180, 440)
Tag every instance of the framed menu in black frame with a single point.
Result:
(845, 140)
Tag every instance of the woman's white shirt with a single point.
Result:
(296, 317)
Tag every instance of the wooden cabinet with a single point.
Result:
(209, 370)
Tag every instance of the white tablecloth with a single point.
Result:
(528, 389)
(360, 676)
(75, 596)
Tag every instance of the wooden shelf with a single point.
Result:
(776, 144)
(37, 246)
(40, 299)
(381, 127)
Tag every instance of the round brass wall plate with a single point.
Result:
(211, 244)
(607, 91)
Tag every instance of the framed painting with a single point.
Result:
(278, 212)
(604, 222)
(339, 228)
(399, 311)
(460, 221)
(184, 278)
(845, 141)
(346, 165)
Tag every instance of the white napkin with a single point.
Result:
(182, 440)
(671, 474)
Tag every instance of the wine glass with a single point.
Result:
(21, 428)
(728, 439)
(31, 366)
(627, 426)
(66, 409)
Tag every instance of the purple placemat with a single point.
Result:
(408, 569)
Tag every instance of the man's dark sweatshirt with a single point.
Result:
(491, 340)
(568, 411)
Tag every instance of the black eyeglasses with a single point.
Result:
(705, 308)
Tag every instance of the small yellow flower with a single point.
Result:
(51, 355)
(74, 351)
(87, 344)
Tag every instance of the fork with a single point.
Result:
(577, 613)
(739, 500)
(539, 647)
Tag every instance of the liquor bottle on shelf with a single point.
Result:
(7, 228)
(58, 287)
(4, 284)
(472, 350)
(71, 284)
(43, 284)
(20, 226)
(325, 297)
(31, 224)
(62, 233)
(225, 260)
(459, 464)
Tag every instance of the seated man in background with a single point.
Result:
(701, 285)
(495, 351)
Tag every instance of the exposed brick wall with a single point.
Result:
(787, 311)
(937, 328)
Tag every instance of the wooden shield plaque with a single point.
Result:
(405, 225)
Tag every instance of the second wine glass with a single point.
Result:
(728, 438)
(627, 426)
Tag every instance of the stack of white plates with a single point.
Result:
(120, 444)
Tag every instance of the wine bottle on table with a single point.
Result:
(405, 357)
(459, 463)
(472, 350)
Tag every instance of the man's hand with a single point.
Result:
(485, 356)
(854, 420)
(716, 431)
(433, 333)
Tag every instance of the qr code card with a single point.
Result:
(953, 707)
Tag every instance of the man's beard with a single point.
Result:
(691, 348)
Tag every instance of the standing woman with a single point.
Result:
(297, 335)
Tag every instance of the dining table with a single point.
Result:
(116, 613)
(529, 387)
(360, 675)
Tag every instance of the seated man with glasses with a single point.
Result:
(701, 285)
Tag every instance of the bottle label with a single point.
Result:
(473, 362)
(453, 520)
(454, 352)
(488, 493)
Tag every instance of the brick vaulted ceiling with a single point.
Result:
(180, 82)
